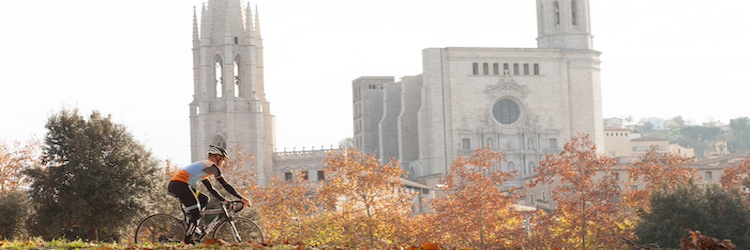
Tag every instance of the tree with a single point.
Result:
(476, 210)
(368, 200)
(14, 160)
(740, 137)
(699, 138)
(15, 205)
(713, 210)
(657, 171)
(15, 209)
(736, 177)
(286, 206)
(587, 214)
(96, 179)
(675, 123)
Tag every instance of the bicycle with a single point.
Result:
(165, 228)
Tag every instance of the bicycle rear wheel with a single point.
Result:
(246, 228)
(160, 229)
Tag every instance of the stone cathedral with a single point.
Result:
(526, 102)
(229, 106)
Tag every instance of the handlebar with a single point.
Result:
(235, 205)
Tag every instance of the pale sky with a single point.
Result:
(132, 59)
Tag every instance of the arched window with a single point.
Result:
(530, 167)
(556, 7)
(219, 79)
(236, 71)
(573, 8)
(709, 175)
(511, 166)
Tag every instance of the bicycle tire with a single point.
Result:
(160, 229)
(248, 230)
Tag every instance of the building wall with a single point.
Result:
(408, 128)
(388, 125)
(617, 142)
(368, 110)
(555, 102)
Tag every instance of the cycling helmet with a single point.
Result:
(216, 150)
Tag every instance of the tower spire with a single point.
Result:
(248, 32)
(196, 40)
(257, 23)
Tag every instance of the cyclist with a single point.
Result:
(182, 186)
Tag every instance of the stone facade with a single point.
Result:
(229, 106)
(526, 102)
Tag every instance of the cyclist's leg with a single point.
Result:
(203, 200)
(188, 199)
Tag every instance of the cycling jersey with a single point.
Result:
(197, 171)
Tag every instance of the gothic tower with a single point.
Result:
(229, 106)
(564, 24)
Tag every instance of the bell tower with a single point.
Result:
(229, 106)
(564, 24)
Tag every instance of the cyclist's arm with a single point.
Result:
(211, 189)
(229, 188)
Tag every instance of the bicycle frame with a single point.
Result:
(223, 214)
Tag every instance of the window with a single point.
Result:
(219, 79)
(475, 68)
(516, 69)
(236, 40)
(506, 69)
(321, 175)
(465, 143)
(236, 70)
(573, 7)
(709, 175)
(544, 196)
(288, 176)
(506, 111)
(531, 165)
(485, 68)
(495, 69)
(526, 69)
(556, 9)
(511, 166)
(305, 176)
(531, 198)
(536, 69)
(552, 142)
(617, 176)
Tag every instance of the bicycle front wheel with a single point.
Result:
(160, 229)
(247, 230)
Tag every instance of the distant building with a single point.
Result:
(617, 141)
(525, 102)
(653, 123)
(614, 122)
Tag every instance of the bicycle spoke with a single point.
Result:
(247, 231)
(159, 229)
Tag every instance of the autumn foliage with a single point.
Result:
(476, 211)
(587, 214)
(656, 171)
(14, 159)
(367, 199)
(737, 176)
